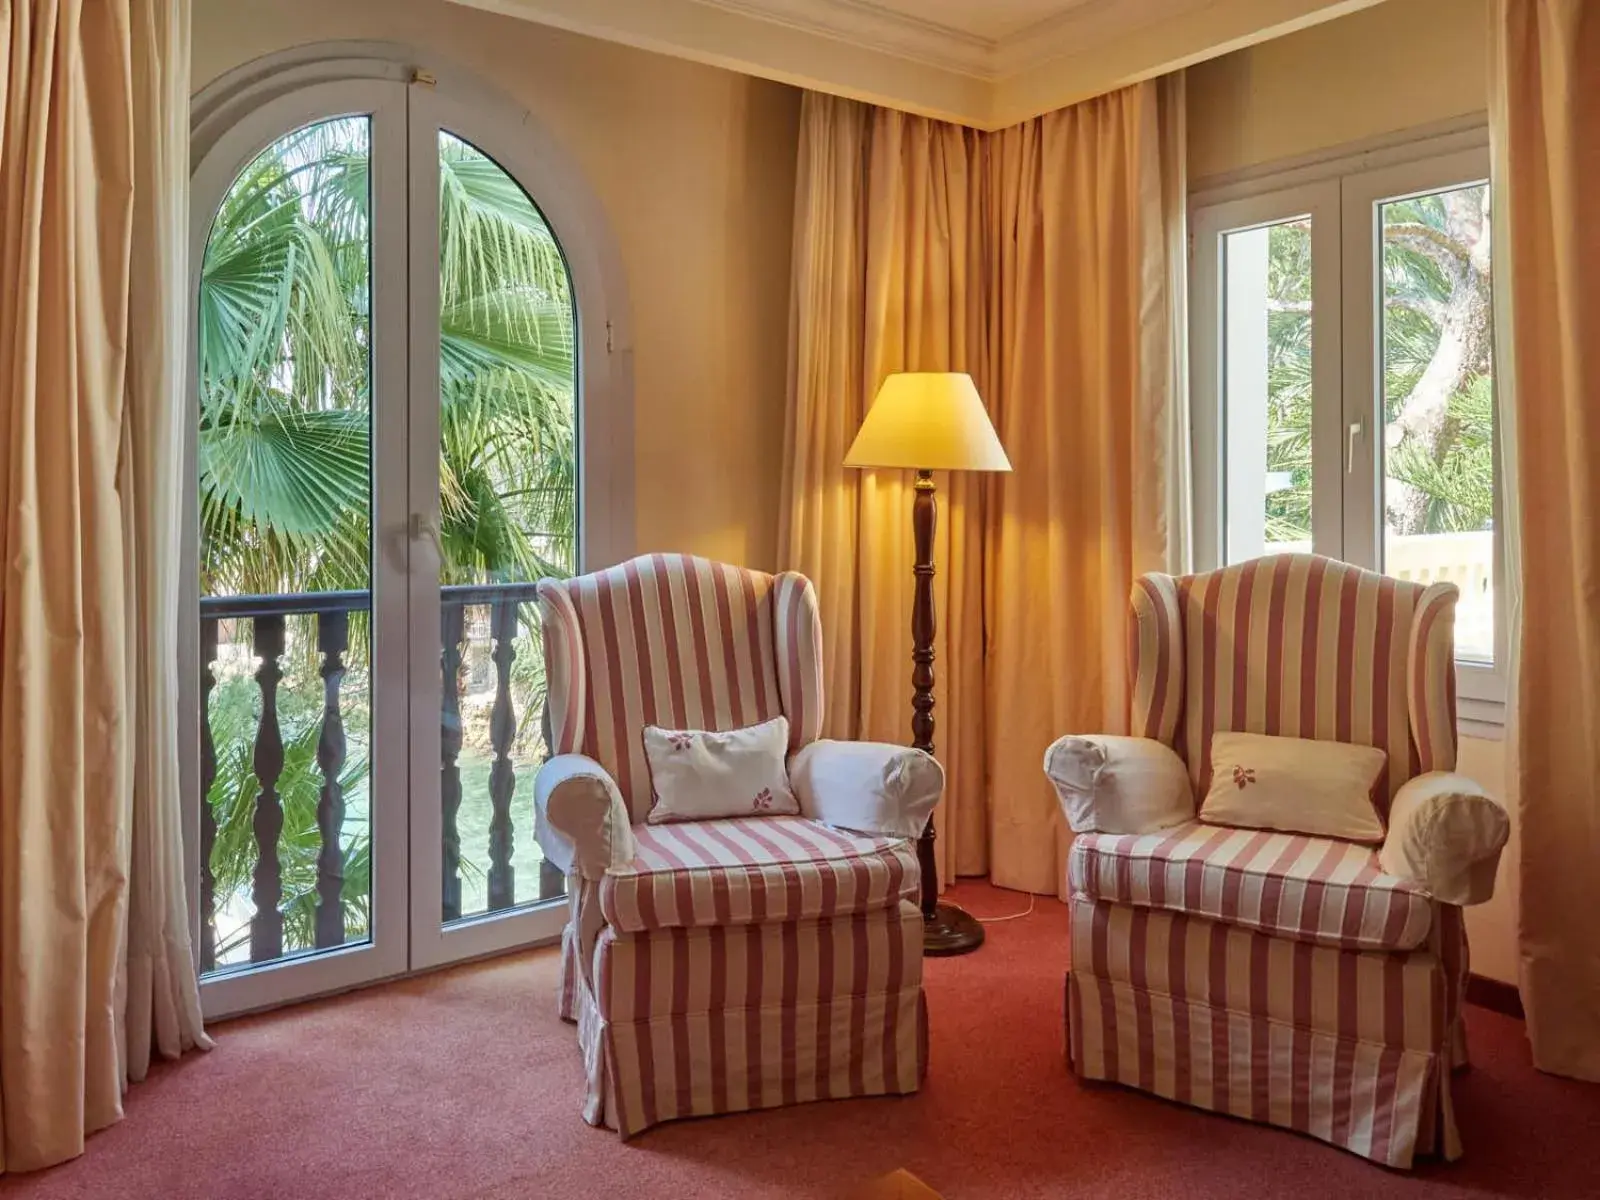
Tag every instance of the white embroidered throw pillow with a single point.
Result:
(1296, 785)
(701, 776)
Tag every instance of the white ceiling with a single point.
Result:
(986, 63)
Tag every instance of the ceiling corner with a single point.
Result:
(984, 63)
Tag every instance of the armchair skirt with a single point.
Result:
(748, 964)
(1354, 1047)
(723, 1018)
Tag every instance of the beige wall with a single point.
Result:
(1402, 64)
(695, 168)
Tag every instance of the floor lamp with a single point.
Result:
(929, 422)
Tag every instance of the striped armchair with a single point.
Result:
(1300, 981)
(717, 966)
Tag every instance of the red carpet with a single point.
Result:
(465, 1084)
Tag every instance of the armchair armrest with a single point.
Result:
(1445, 834)
(868, 787)
(1119, 784)
(580, 821)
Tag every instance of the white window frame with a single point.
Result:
(216, 166)
(1340, 192)
(1320, 202)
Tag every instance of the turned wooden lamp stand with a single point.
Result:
(929, 422)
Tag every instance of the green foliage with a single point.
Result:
(1459, 486)
(284, 337)
(1430, 278)
(1288, 516)
(285, 349)
(507, 370)
(1436, 306)
(235, 710)
(283, 343)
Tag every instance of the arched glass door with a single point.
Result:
(386, 459)
(494, 460)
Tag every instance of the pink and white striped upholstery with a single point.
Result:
(1352, 1047)
(1309, 889)
(679, 642)
(1278, 977)
(756, 869)
(1296, 646)
(733, 964)
(726, 1018)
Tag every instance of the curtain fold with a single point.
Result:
(1089, 220)
(1046, 260)
(1545, 138)
(95, 965)
(887, 249)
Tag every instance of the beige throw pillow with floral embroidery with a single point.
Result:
(1296, 785)
(701, 776)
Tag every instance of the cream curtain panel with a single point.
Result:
(1045, 260)
(96, 970)
(1545, 132)
(888, 276)
(1087, 299)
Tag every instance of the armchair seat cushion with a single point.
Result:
(754, 870)
(1291, 885)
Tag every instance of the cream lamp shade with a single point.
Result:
(928, 421)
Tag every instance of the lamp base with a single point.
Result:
(951, 931)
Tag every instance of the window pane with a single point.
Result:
(285, 480)
(1438, 402)
(1266, 356)
(508, 518)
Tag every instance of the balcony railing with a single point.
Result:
(223, 621)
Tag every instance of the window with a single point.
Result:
(1343, 378)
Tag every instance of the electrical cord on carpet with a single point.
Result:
(1010, 916)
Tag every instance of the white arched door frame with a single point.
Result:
(409, 99)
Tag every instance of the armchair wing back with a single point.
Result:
(1296, 645)
(677, 641)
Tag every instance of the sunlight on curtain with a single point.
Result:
(95, 964)
(1087, 299)
(1544, 127)
(886, 269)
(1046, 261)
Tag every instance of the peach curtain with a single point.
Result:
(887, 277)
(1089, 401)
(95, 962)
(1046, 260)
(1545, 132)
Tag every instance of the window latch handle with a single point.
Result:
(423, 527)
(1355, 431)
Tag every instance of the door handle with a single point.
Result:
(1355, 431)
(425, 527)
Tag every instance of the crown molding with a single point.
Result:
(864, 50)
(917, 39)
(1189, 32)
(875, 27)
(1074, 29)
(732, 36)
